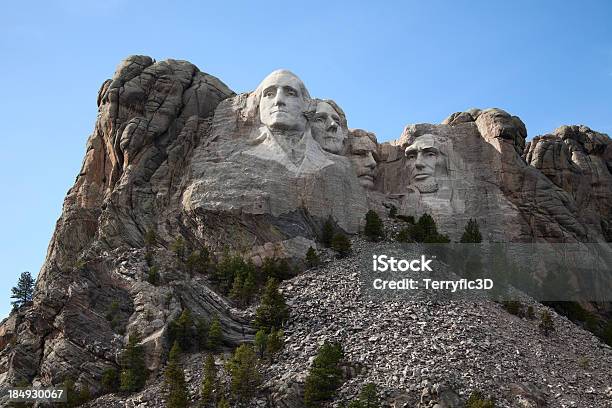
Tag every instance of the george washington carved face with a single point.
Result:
(282, 101)
(426, 163)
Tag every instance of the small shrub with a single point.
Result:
(472, 233)
(477, 400)
(327, 233)
(374, 228)
(110, 380)
(153, 276)
(312, 258)
(530, 314)
(178, 247)
(276, 341)
(546, 325)
(341, 244)
(406, 218)
(514, 307)
(393, 212)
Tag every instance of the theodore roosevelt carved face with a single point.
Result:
(426, 163)
(282, 101)
(362, 151)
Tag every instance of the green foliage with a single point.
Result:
(312, 258)
(110, 380)
(327, 233)
(514, 307)
(201, 332)
(223, 403)
(75, 397)
(324, 376)
(178, 247)
(546, 325)
(261, 342)
(404, 235)
(182, 330)
(423, 230)
(406, 218)
(393, 212)
(231, 267)
(368, 398)
(276, 341)
(22, 293)
(477, 400)
(278, 269)
(576, 313)
(243, 368)
(198, 261)
(150, 238)
(341, 244)
(133, 368)
(273, 311)
(175, 380)
(153, 276)
(374, 228)
(113, 316)
(209, 381)
(471, 233)
(215, 334)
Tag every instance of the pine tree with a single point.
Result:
(243, 368)
(215, 334)
(150, 238)
(273, 311)
(178, 247)
(110, 380)
(22, 293)
(182, 330)
(341, 244)
(324, 376)
(328, 233)
(374, 228)
(209, 381)
(312, 259)
(175, 380)
(276, 340)
(261, 342)
(471, 233)
(369, 396)
(153, 276)
(133, 368)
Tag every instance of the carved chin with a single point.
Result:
(426, 187)
(366, 182)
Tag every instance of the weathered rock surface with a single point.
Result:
(176, 152)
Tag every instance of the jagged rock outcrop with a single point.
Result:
(175, 152)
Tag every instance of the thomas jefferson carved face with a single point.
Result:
(362, 151)
(282, 101)
(426, 163)
(328, 129)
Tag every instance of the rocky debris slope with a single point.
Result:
(417, 353)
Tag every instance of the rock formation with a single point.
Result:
(175, 152)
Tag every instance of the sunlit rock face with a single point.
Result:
(472, 166)
(261, 158)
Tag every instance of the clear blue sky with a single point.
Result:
(387, 65)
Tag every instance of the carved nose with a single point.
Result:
(332, 127)
(371, 163)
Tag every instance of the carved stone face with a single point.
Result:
(426, 163)
(282, 103)
(327, 128)
(362, 153)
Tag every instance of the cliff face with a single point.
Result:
(177, 152)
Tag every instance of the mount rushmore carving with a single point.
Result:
(175, 151)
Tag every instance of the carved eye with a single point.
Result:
(269, 93)
(431, 154)
(411, 157)
(291, 92)
(320, 119)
